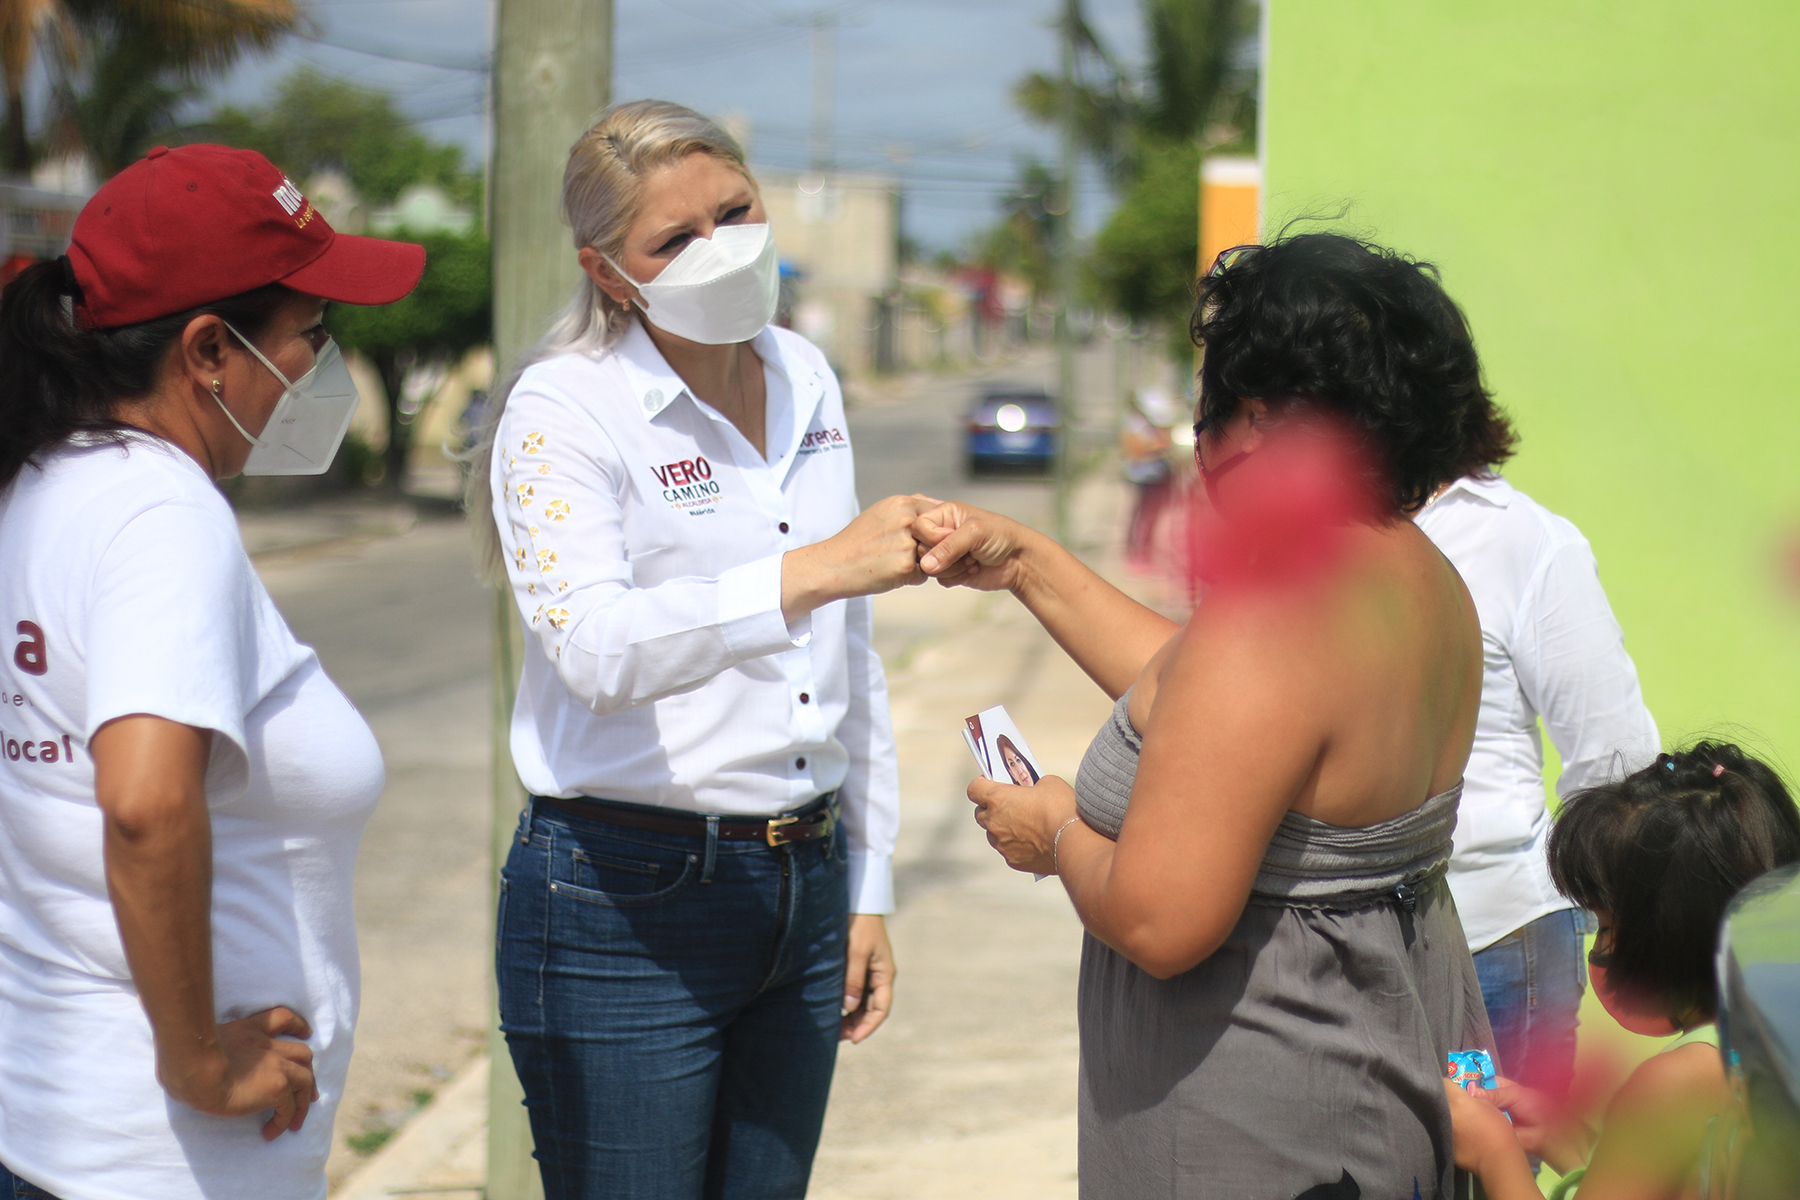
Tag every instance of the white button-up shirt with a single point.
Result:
(1550, 649)
(645, 536)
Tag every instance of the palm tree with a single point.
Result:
(163, 47)
(1190, 90)
(121, 101)
(22, 24)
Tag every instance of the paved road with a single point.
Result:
(401, 623)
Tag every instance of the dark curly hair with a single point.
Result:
(1359, 331)
(1662, 852)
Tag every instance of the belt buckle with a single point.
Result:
(772, 833)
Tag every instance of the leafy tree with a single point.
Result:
(447, 315)
(1144, 258)
(1022, 243)
(1106, 101)
(1191, 76)
(1192, 87)
(121, 101)
(174, 44)
(1150, 132)
(315, 123)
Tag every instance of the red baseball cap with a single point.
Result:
(184, 227)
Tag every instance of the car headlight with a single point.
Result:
(1010, 418)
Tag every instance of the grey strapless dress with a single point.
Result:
(1309, 1046)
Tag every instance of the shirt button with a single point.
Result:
(805, 698)
(782, 527)
(800, 763)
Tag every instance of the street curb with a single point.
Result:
(425, 1143)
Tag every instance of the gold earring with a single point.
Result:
(215, 387)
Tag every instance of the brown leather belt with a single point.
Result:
(815, 821)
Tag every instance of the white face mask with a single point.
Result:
(718, 290)
(309, 421)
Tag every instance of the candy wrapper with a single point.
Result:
(1471, 1068)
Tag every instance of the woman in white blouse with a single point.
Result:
(691, 913)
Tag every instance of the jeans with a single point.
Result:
(1532, 980)
(672, 1004)
(14, 1188)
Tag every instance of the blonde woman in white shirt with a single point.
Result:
(182, 789)
(691, 914)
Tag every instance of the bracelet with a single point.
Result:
(1056, 843)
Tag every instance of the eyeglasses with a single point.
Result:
(1228, 256)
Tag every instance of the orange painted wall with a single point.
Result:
(1230, 194)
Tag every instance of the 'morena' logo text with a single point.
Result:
(688, 485)
(824, 439)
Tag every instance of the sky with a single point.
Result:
(923, 86)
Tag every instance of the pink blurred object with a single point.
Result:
(1280, 517)
(1789, 564)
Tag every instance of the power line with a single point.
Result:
(230, 13)
(479, 67)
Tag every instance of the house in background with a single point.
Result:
(838, 236)
(37, 216)
(421, 208)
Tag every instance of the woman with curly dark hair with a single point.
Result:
(1257, 840)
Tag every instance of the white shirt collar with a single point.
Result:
(1492, 490)
(655, 385)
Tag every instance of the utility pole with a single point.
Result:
(1065, 269)
(552, 76)
(824, 90)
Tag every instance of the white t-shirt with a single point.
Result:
(124, 588)
(1550, 649)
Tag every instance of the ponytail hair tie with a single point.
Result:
(70, 286)
(1718, 770)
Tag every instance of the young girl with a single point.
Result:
(1656, 857)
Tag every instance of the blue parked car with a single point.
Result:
(1013, 428)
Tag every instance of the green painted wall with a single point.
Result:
(1610, 189)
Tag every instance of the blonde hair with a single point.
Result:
(602, 195)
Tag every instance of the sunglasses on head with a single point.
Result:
(1226, 257)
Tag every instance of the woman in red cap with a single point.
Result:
(182, 789)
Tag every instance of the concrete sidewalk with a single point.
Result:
(969, 1089)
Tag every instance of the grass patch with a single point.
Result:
(369, 1140)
